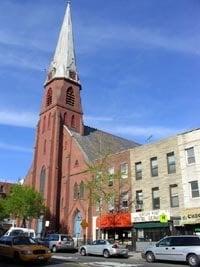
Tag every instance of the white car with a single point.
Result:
(175, 248)
(16, 231)
(105, 248)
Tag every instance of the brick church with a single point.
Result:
(64, 145)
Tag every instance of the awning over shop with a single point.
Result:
(150, 225)
(114, 220)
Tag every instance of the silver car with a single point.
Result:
(59, 242)
(105, 248)
(175, 248)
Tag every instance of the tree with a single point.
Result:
(24, 203)
(108, 190)
(3, 213)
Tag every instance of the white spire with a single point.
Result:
(63, 64)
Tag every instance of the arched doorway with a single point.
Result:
(40, 221)
(77, 224)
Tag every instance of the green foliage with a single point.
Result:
(98, 186)
(24, 203)
(3, 213)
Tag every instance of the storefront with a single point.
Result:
(152, 225)
(117, 226)
(190, 220)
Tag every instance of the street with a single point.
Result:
(76, 260)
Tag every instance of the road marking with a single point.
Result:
(64, 257)
(111, 264)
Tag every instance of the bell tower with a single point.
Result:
(61, 105)
(62, 86)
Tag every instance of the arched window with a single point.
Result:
(65, 146)
(49, 97)
(42, 180)
(65, 118)
(44, 124)
(49, 122)
(70, 98)
(73, 124)
(81, 189)
(44, 148)
(76, 192)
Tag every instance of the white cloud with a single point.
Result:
(15, 148)
(156, 131)
(16, 118)
(134, 36)
(93, 119)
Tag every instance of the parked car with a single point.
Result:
(175, 248)
(105, 248)
(23, 248)
(59, 242)
(16, 231)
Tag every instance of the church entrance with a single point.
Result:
(77, 227)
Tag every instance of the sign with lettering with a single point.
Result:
(190, 216)
(150, 216)
(163, 218)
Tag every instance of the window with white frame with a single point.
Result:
(111, 172)
(171, 163)
(194, 189)
(124, 200)
(138, 170)
(190, 155)
(174, 199)
(154, 166)
(124, 170)
(139, 200)
(155, 198)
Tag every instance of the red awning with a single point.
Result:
(114, 220)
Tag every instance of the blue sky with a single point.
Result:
(138, 61)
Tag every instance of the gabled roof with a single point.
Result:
(96, 143)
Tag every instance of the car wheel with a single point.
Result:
(126, 256)
(54, 249)
(193, 260)
(83, 252)
(106, 253)
(150, 256)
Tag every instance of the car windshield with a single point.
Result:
(23, 241)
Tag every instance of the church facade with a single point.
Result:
(65, 146)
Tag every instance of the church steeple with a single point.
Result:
(63, 64)
(62, 86)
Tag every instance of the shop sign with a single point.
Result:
(190, 216)
(163, 218)
(150, 216)
(114, 220)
